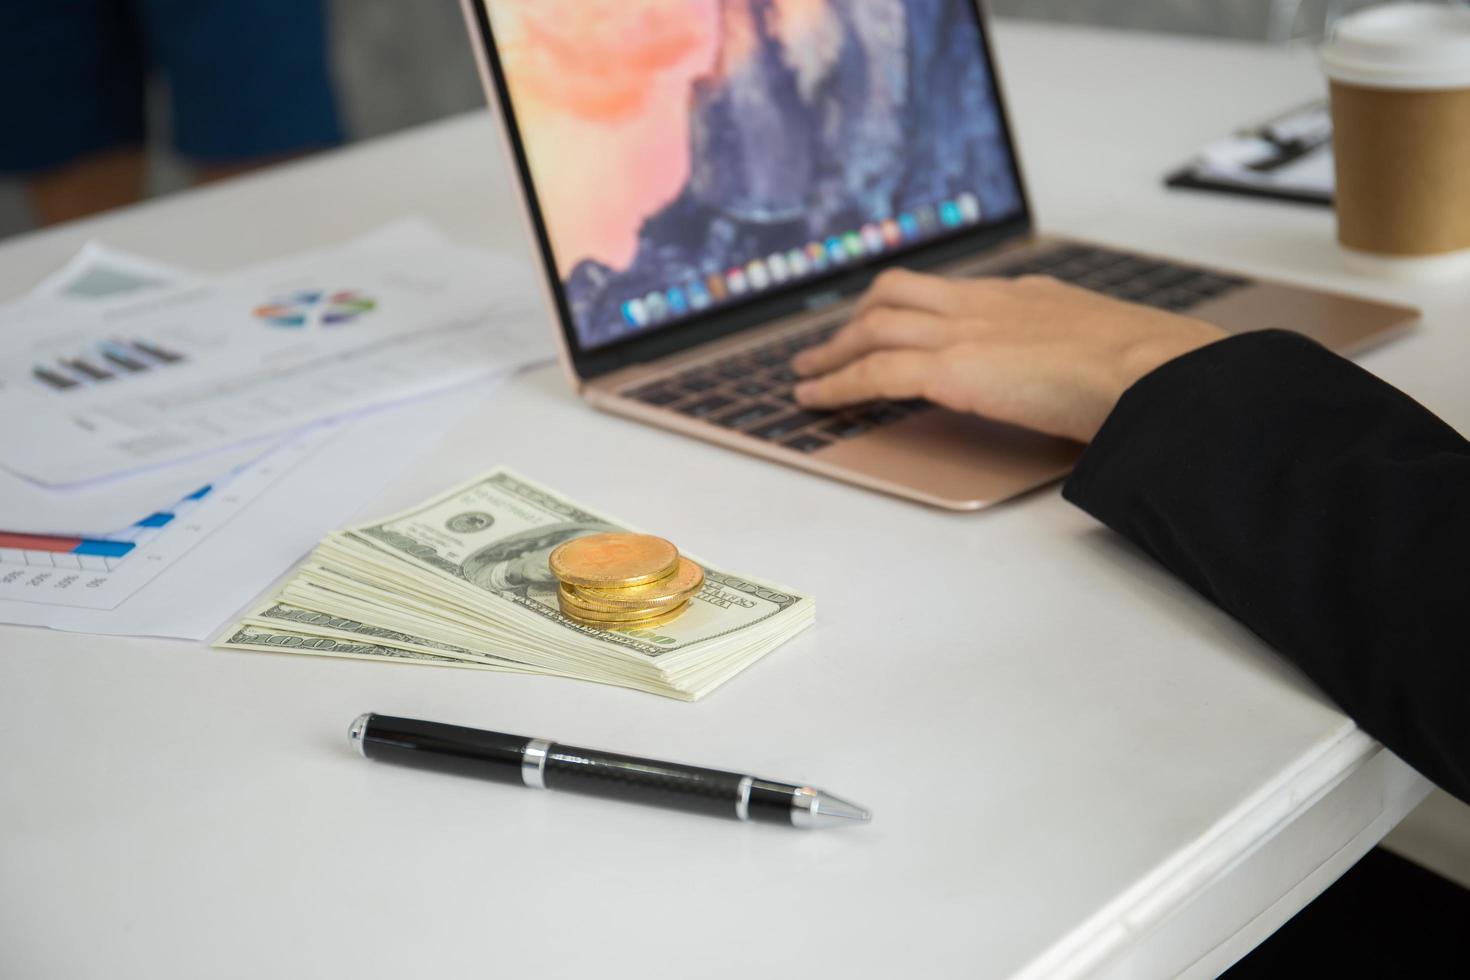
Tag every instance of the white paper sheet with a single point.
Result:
(96, 273)
(100, 508)
(272, 498)
(227, 551)
(217, 363)
(1271, 157)
(1231, 161)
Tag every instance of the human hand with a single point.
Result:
(1031, 351)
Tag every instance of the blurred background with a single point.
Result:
(396, 63)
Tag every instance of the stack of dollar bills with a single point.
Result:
(463, 581)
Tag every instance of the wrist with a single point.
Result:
(1137, 361)
(1147, 356)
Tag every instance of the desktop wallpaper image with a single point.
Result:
(675, 144)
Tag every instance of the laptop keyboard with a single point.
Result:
(750, 391)
(1164, 285)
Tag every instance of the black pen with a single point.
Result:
(537, 763)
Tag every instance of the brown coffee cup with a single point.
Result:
(1400, 81)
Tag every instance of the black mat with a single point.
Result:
(1387, 917)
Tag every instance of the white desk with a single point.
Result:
(1090, 770)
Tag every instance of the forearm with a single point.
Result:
(1321, 507)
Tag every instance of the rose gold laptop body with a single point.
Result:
(937, 457)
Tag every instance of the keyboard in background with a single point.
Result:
(1165, 285)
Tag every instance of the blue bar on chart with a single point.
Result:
(99, 554)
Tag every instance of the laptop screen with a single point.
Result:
(691, 155)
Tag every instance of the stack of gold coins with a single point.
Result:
(624, 581)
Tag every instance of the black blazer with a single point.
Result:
(1324, 509)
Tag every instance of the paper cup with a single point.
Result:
(1400, 81)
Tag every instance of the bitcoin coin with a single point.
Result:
(663, 617)
(570, 595)
(570, 604)
(664, 594)
(614, 560)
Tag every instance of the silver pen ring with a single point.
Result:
(533, 763)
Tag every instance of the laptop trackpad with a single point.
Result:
(953, 459)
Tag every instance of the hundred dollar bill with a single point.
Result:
(291, 621)
(486, 543)
(463, 580)
(247, 637)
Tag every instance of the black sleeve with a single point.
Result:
(1323, 508)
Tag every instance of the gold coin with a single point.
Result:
(574, 608)
(664, 594)
(614, 560)
(667, 616)
(570, 595)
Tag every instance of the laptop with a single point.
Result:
(711, 184)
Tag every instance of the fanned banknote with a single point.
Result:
(463, 580)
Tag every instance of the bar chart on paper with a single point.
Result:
(101, 573)
(107, 360)
(105, 554)
(51, 552)
(115, 389)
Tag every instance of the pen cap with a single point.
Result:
(441, 748)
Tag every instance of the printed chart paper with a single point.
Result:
(174, 373)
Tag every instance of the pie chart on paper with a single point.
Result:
(316, 308)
